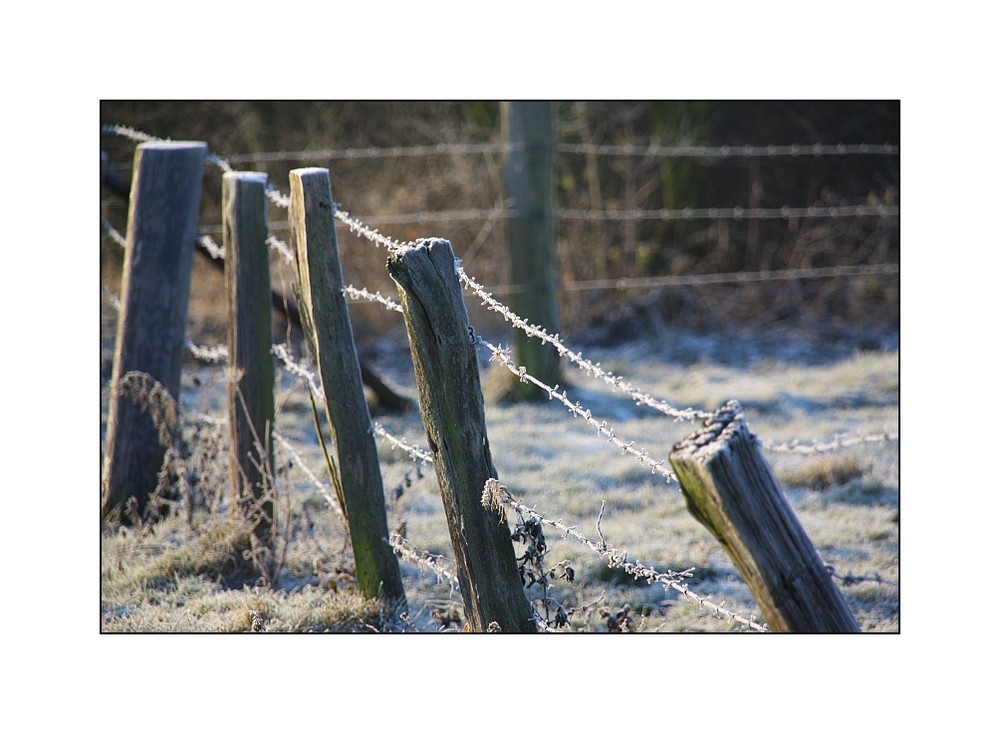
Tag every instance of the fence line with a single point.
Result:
(678, 150)
(494, 494)
(501, 355)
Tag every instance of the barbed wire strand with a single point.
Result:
(322, 488)
(438, 565)
(590, 368)
(677, 150)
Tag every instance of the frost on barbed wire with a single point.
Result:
(603, 429)
(280, 247)
(416, 452)
(293, 367)
(363, 294)
(593, 370)
(212, 247)
(323, 489)
(496, 497)
(214, 355)
(436, 564)
(113, 233)
(839, 442)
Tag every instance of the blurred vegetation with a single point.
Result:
(587, 250)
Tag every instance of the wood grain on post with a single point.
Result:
(731, 490)
(529, 172)
(156, 282)
(451, 406)
(327, 325)
(251, 366)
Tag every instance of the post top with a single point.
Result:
(309, 171)
(252, 176)
(725, 425)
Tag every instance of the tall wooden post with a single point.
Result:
(328, 327)
(156, 282)
(251, 366)
(529, 173)
(731, 490)
(451, 405)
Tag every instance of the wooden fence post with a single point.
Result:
(451, 405)
(731, 490)
(529, 173)
(327, 326)
(156, 282)
(251, 366)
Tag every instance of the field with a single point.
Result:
(186, 573)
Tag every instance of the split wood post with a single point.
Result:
(327, 325)
(156, 283)
(529, 176)
(731, 490)
(251, 366)
(451, 406)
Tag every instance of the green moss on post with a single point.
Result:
(731, 490)
(451, 405)
(328, 327)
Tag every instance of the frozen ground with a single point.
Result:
(791, 390)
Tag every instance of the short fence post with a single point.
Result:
(529, 176)
(451, 405)
(156, 282)
(731, 490)
(327, 325)
(251, 366)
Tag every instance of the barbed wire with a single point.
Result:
(603, 429)
(498, 498)
(419, 454)
(736, 213)
(677, 150)
(594, 370)
(321, 487)
(363, 294)
(438, 565)
(839, 442)
(698, 150)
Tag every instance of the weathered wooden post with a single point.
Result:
(529, 173)
(327, 325)
(451, 405)
(251, 366)
(156, 282)
(731, 490)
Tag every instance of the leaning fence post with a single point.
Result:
(731, 490)
(451, 405)
(327, 325)
(251, 366)
(156, 282)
